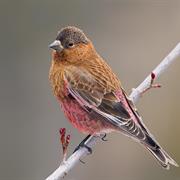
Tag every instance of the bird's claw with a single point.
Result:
(88, 148)
(81, 145)
(82, 161)
(104, 137)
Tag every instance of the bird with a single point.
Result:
(91, 95)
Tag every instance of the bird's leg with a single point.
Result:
(151, 85)
(82, 144)
(64, 141)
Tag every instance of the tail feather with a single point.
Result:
(163, 158)
(157, 151)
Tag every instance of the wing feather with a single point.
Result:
(92, 95)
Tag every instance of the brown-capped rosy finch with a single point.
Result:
(91, 95)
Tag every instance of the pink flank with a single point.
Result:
(81, 119)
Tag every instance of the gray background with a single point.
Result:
(133, 36)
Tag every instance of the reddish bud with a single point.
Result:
(156, 86)
(67, 139)
(153, 75)
(62, 131)
(64, 141)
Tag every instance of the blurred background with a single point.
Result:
(133, 36)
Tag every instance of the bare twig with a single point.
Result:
(151, 85)
(166, 62)
(67, 165)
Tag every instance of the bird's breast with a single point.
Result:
(57, 80)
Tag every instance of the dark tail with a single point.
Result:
(163, 158)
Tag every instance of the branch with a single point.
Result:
(135, 95)
(67, 165)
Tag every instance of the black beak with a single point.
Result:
(56, 45)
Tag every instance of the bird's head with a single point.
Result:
(70, 42)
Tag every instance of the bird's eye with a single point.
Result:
(71, 44)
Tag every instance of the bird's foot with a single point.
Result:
(151, 85)
(82, 144)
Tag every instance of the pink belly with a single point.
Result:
(82, 120)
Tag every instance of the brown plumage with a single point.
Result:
(74, 61)
(91, 95)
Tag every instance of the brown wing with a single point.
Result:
(95, 97)
(92, 95)
(83, 83)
